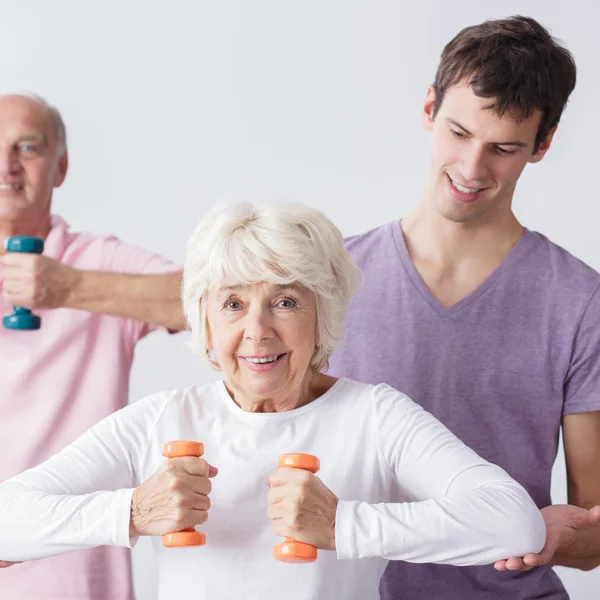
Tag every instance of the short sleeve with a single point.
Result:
(582, 383)
(127, 258)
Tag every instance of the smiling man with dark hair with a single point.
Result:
(490, 326)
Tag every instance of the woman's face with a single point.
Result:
(263, 337)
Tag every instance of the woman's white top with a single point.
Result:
(408, 489)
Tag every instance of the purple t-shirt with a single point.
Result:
(499, 369)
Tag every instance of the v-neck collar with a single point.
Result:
(519, 250)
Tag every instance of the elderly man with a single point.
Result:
(97, 297)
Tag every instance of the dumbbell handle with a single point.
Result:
(290, 550)
(188, 536)
(22, 318)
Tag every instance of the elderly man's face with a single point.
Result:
(263, 337)
(29, 163)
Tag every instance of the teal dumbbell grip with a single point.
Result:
(22, 318)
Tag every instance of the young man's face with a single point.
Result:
(477, 156)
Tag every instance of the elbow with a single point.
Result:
(523, 530)
(534, 533)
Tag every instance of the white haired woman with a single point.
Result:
(265, 292)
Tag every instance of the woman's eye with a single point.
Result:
(233, 305)
(287, 303)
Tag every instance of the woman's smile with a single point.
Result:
(264, 362)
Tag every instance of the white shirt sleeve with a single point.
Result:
(463, 510)
(56, 507)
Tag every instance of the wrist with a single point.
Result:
(74, 284)
(332, 544)
(134, 515)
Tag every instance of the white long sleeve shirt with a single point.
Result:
(408, 489)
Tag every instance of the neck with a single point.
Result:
(312, 386)
(38, 226)
(431, 237)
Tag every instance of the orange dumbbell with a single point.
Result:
(188, 536)
(290, 550)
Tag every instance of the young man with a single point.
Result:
(489, 325)
(97, 297)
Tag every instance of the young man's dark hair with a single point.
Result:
(516, 63)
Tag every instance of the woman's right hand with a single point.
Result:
(174, 498)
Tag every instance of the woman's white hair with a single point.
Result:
(242, 243)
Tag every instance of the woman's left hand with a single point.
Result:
(302, 507)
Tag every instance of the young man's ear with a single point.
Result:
(428, 108)
(544, 147)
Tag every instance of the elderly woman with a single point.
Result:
(265, 291)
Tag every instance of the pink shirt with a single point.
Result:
(57, 382)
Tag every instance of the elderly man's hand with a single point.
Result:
(174, 498)
(563, 521)
(302, 507)
(36, 281)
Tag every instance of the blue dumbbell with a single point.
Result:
(22, 318)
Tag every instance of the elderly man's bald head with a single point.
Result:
(42, 111)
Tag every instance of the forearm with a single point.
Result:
(473, 528)
(584, 554)
(80, 497)
(581, 439)
(154, 299)
(35, 525)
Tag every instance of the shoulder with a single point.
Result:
(91, 250)
(363, 244)
(561, 268)
(377, 398)
(76, 248)
(106, 251)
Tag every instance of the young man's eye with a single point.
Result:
(505, 151)
(457, 134)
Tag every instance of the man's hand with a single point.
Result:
(302, 507)
(174, 498)
(36, 281)
(563, 522)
